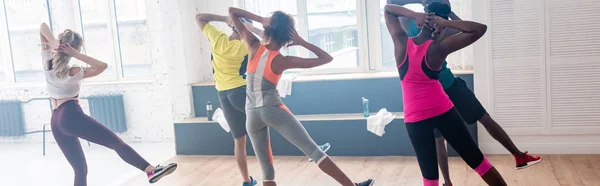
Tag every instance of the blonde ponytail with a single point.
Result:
(60, 61)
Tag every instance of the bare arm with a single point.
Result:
(470, 32)
(203, 19)
(46, 36)
(392, 13)
(451, 31)
(236, 14)
(96, 66)
(399, 36)
(254, 29)
(453, 16)
(291, 62)
(404, 21)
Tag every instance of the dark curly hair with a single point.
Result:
(439, 9)
(280, 28)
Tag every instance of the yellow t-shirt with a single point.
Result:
(229, 59)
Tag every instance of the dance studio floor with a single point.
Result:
(24, 165)
(555, 170)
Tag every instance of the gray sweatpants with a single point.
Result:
(281, 119)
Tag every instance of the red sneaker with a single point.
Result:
(526, 160)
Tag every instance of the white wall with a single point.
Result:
(180, 56)
(520, 85)
(198, 49)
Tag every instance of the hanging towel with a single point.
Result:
(284, 87)
(219, 117)
(376, 124)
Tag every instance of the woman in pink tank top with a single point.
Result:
(426, 105)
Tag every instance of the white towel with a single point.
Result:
(376, 124)
(219, 117)
(284, 87)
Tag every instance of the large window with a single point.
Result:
(352, 31)
(133, 38)
(23, 18)
(330, 24)
(117, 32)
(114, 31)
(98, 34)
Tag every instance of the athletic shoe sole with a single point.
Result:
(532, 163)
(372, 182)
(167, 171)
(328, 147)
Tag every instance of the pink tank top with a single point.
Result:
(422, 93)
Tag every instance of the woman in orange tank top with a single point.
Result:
(264, 107)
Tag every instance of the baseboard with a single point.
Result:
(545, 148)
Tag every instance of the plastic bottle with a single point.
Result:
(365, 107)
(209, 110)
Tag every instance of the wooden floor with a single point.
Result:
(554, 170)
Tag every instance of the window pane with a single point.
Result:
(133, 38)
(3, 67)
(266, 7)
(98, 38)
(332, 25)
(24, 18)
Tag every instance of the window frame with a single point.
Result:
(369, 33)
(6, 54)
(365, 59)
(113, 26)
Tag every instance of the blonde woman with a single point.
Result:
(69, 122)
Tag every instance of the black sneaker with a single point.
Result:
(161, 171)
(369, 182)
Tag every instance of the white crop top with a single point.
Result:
(60, 88)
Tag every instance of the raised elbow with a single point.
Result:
(387, 7)
(328, 59)
(483, 28)
(232, 11)
(103, 66)
(44, 26)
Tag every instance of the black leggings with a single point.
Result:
(69, 123)
(452, 126)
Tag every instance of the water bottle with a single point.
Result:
(365, 107)
(209, 110)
